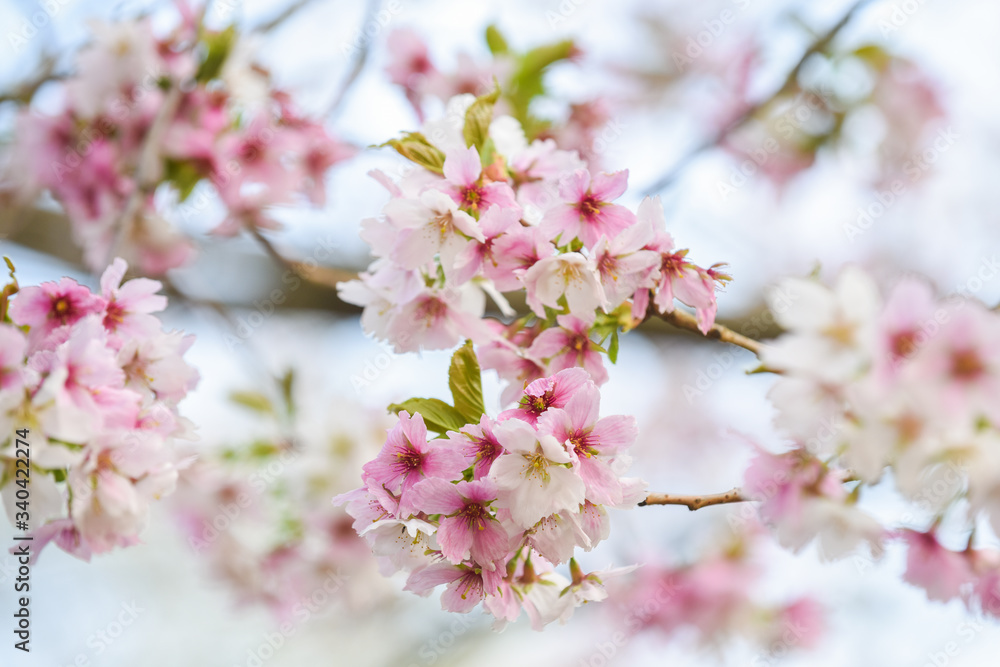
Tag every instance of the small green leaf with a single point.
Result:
(183, 174)
(415, 147)
(613, 347)
(527, 81)
(218, 46)
(253, 400)
(466, 384)
(438, 415)
(287, 383)
(487, 152)
(479, 116)
(8, 291)
(496, 41)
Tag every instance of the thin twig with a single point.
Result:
(684, 320)
(25, 91)
(360, 58)
(287, 13)
(695, 502)
(146, 171)
(788, 84)
(317, 275)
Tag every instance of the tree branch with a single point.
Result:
(287, 13)
(684, 320)
(818, 45)
(25, 91)
(358, 64)
(695, 502)
(317, 275)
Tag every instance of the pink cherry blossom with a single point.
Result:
(478, 445)
(128, 306)
(49, 306)
(430, 225)
(588, 213)
(593, 442)
(467, 529)
(532, 477)
(513, 254)
(464, 173)
(466, 587)
(407, 457)
(550, 392)
(570, 275)
(929, 565)
(569, 346)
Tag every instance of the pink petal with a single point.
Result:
(463, 167)
(608, 187)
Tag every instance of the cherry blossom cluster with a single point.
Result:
(259, 513)
(96, 381)
(899, 391)
(486, 212)
(491, 508)
(143, 110)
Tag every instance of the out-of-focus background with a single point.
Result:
(164, 603)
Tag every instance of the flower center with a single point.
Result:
(904, 344)
(589, 207)
(966, 365)
(61, 306)
(409, 460)
(471, 197)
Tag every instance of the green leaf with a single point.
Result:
(466, 384)
(9, 289)
(438, 415)
(253, 400)
(527, 82)
(479, 116)
(415, 147)
(496, 41)
(218, 46)
(287, 382)
(488, 152)
(874, 55)
(183, 174)
(613, 347)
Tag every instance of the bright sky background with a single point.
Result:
(945, 228)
